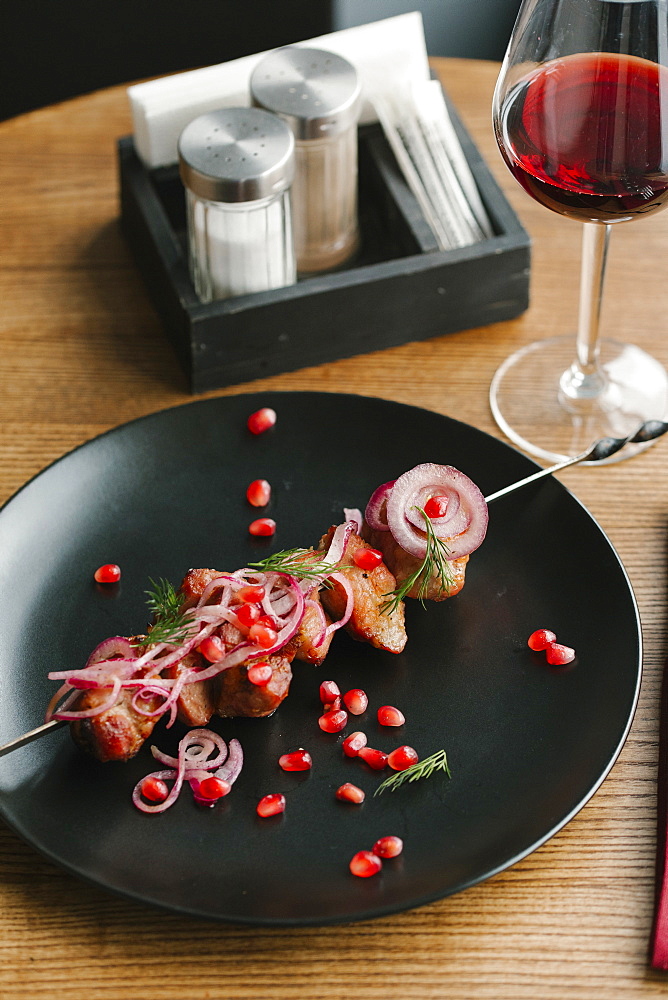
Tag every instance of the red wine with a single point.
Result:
(587, 136)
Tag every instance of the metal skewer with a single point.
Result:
(34, 734)
(599, 451)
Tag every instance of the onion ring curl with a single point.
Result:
(461, 528)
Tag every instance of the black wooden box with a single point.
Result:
(399, 288)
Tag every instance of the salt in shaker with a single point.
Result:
(318, 94)
(237, 166)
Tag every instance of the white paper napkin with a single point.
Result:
(388, 52)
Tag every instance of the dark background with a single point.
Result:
(54, 49)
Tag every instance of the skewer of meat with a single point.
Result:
(118, 732)
(114, 716)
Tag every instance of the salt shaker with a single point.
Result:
(318, 94)
(237, 166)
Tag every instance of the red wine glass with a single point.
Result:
(581, 120)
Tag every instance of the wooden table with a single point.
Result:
(81, 351)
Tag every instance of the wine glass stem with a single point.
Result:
(585, 380)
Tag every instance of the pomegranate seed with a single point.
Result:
(332, 706)
(260, 674)
(261, 420)
(269, 621)
(247, 614)
(109, 573)
(374, 758)
(154, 789)
(558, 655)
(390, 716)
(262, 635)
(365, 863)
(271, 805)
(402, 757)
(540, 639)
(333, 722)
(356, 701)
(388, 847)
(252, 594)
(298, 760)
(353, 744)
(436, 506)
(367, 558)
(213, 788)
(258, 493)
(350, 793)
(263, 527)
(212, 648)
(329, 691)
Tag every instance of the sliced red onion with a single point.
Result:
(231, 769)
(376, 509)
(196, 748)
(68, 715)
(97, 673)
(60, 693)
(193, 764)
(284, 600)
(117, 646)
(464, 524)
(345, 583)
(355, 515)
(337, 546)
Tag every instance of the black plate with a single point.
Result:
(527, 744)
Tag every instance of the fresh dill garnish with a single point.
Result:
(170, 624)
(423, 769)
(303, 564)
(435, 563)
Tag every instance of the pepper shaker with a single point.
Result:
(237, 166)
(318, 94)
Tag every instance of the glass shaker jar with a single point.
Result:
(318, 94)
(237, 166)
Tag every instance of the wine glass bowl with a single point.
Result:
(581, 120)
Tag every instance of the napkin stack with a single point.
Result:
(389, 52)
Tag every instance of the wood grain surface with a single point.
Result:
(81, 351)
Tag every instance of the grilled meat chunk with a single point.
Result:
(237, 696)
(403, 565)
(370, 588)
(305, 644)
(118, 733)
(231, 694)
(197, 702)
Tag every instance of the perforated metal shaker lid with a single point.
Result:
(316, 92)
(236, 155)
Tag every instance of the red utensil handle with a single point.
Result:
(659, 937)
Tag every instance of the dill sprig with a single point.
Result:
(435, 563)
(423, 769)
(302, 564)
(170, 624)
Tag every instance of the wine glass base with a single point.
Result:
(542, 420)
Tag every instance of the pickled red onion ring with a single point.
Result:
(67, 715)
(337, 546)
(463, 526)
(118, 646)
(193, 762)
(345, 618)
(355, 515)
(64, 689)
(376, 509)
(231, 769)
